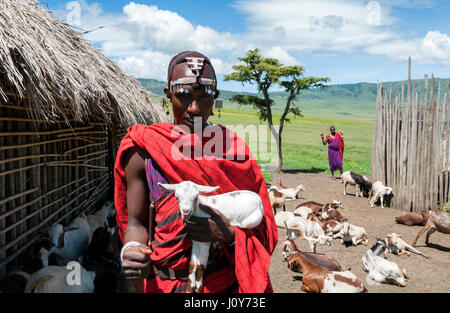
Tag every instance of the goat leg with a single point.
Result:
(410, 248)
(427, 239)
(197, 266)
(426, 227)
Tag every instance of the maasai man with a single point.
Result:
(149, 218)
(335, 149)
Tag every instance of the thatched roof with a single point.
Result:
(48, 64)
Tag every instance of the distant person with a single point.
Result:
(335, 149)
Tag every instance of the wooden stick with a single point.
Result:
(93, 153)
(21, 169)
(80, 165)
(50, 132)
(97, 158)
(84, 133)
(14, 197)
(38, 143)
(38, 198)
(29, 157)
(84, 147)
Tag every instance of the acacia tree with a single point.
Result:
(265, 73)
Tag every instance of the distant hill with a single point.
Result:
(345, 100)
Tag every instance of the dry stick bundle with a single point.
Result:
(409, 146)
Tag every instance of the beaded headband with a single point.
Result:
(196, 65)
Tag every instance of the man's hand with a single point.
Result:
(136, 262)
(216, 228)
(341, 132)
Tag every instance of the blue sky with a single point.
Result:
(349, 41)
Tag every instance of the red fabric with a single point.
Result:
(236, 170)
(340, 143)
(218, 277)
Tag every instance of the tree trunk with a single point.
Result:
(280, 154)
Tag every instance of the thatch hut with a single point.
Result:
(63, 109)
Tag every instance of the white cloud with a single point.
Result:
(309, 25)
(143, 38)
(280, 54)
(434, 48)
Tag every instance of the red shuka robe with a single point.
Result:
(234, 170)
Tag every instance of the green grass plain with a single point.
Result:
(303, 150)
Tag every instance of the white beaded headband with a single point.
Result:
(196, 65)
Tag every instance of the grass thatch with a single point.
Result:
(60, 75)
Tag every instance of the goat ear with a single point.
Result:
(168, 187)
(206, 189)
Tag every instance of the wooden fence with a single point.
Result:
(411, 146)
(48, 173)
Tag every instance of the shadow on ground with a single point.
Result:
(308, 170)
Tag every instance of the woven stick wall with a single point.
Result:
(411, 146)
(48, 173)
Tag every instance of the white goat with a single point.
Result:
(291, 193)
(303, 211)
(383, 271)
(242, 208)
(55, 279)
(281, 217)
(353, 234)
(378, 191)
(100, 218)
(308, 230)
(71, 243)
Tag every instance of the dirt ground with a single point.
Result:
(430, 275)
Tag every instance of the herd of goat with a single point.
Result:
(319, 223)
(91, 246)
(83, 257)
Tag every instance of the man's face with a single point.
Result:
(195, 104)
(332, 130)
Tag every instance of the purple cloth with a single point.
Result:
(153, 173)
(334, 157)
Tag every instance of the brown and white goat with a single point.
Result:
(277, 199)
(290, 250)
(438, 220)
(317, 208)
(290, 193)
(317, 279)
(331, 228)
(396, 245)
(329, 212)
